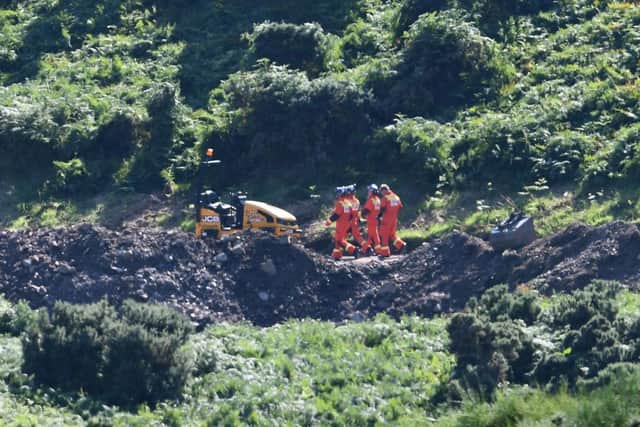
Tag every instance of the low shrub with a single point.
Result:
(489, 353)
(303, 47)
(575, 310)
(569, 342)
(410, 11)
(125, 356)
(415, 147)
(70, 177)
(360, 42)
(492, 14)
(279, 114)
(16, 318)
(445, 63)
(498, 304)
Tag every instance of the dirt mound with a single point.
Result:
(444, 274)
(84, 264)
(254, 277)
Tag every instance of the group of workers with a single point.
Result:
(380, 212)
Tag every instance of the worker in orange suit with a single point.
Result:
(342, 217)
(355, 214)
(390, 205)
(370, 212)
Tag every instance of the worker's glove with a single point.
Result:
(327, 222)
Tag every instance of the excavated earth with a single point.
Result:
(255, 277)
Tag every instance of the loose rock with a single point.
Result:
(266, 282)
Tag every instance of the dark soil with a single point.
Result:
(255, 277)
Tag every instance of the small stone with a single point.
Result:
(221, 258)
(269, 267)
(358, 317)
(237, 249)
(142, 295)
(118, 269)
(389, 288)
(264, 296)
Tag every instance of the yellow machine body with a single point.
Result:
(256, 216)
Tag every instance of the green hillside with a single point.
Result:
(472, 100)
(378, 372)
(471, 109)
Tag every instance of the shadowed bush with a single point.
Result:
(303, 47)
(445, 63)
(568, 343)
(279, 115)
(124, 356)
(411, 10)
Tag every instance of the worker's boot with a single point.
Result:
(399, 245)
(350, 249)
(385, 251)
(365, 248)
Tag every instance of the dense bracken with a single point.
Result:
(124, 94)
(506, 337)
(125, 356)
(531, 105)
(315, 373)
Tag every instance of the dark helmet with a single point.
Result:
(339, 191)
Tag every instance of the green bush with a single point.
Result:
(410, 11)
(610, 375)
(303, 47)
(498, 304)
(71, 177)
(624, 161)
(414, 147)
(520, 147)
(575, 310)
(16, 318)
(125, 356)
(570, 342)
(490, 14)
(489, 353)
(144, 170)
(497, 148)
(279, 115)
(445, 63)
(360, 42)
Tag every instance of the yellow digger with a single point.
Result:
(215, 218)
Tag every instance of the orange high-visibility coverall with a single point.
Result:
(370, 211)
(390, 206)
(342, 216)
(355, 219)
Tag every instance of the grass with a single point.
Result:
(110, 209)
(298, 373)
(305, 372)
(554, 210)
(576, 102)
(628, 304)
(615, 405)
